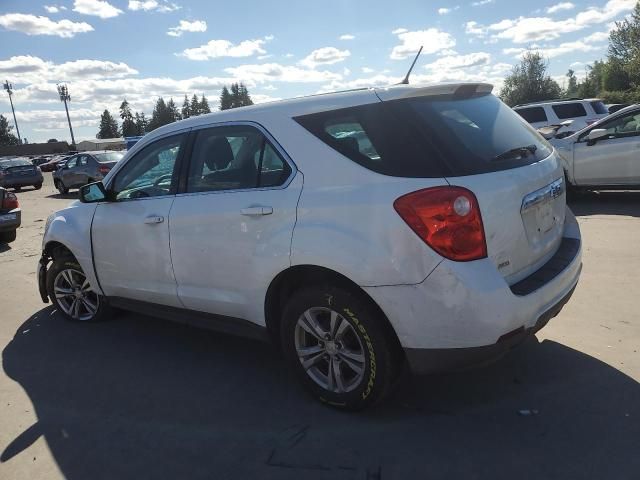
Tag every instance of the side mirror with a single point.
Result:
(93, 192)
(596, 134)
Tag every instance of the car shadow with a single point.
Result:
(66, 196)
(138, 397)
(605, 203)
(4, 247)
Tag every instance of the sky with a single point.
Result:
(108, 50)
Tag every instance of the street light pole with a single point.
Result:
(9, 88)
(63, 91)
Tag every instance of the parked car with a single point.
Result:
(52, 164)
(582, 112)
(356, 230)
(37, 161)
(614, 107)
(84, 168)
(18, 173)
(605, 154)
(10, 215)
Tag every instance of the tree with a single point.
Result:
(226, 101)
(186, 108)
(624, 45)
(108, 126)
(572, 84)
(141, 124)
(203, 106)
(591, 86)
(172, 110)
(6, 137)
(128, 122)
(245, 98)
(529, 82)
(159, 116)
(52, 140)
(195, 105)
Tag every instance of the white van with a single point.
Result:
(582, 113)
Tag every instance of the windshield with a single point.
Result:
(108, 157)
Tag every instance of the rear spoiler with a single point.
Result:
(459, 90)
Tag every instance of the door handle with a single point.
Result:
(256, 211)
(153, 219)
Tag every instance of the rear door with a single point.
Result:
(613, 159)
(231, 228)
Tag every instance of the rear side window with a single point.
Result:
(532, 114)
(599, 107)
(569, 110)
(430, 137)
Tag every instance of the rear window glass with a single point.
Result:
(599, 107)
(19, 162)
(427, 137)
(569, 110)
(108, 157)
(533, 114)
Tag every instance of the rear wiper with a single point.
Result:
(517, 152)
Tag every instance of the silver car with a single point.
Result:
(84, 168)
(19, 172)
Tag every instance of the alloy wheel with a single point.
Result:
(74, 294)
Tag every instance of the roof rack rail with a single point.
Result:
(568, 99)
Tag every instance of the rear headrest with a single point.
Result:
(218, 153)
(349, 143)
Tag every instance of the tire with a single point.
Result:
(17, 189)
(61, 188)
(8, 237)
(363, 347)
(74, 280)
(37, 186)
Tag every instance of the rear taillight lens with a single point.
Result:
(103, 169)
(447, 219)
(10, 201)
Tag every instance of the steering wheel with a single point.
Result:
(161, 178)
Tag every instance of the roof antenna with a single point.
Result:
(406, 78)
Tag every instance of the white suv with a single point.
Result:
(356, 230)
(582, 113)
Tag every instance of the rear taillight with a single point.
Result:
(103, 169)
(447, 219)
(10, 201)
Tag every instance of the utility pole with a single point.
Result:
(9, 88)
(63, 91)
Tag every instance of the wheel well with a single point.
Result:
(294, 278)
(56, 250)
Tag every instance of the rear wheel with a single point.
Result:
(61, 188)
(71, 293)
(8, 237)
(17, 189)
(340, 347)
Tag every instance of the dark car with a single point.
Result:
(37, 161)
(52, 164)
(19, 172)
(9, 216)
(84, 168)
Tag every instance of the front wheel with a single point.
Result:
(37, 186)
(61, 188)
(71, 293)
(340, 346)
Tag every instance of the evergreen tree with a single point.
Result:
(203, 106)
(245, 98)
(186, 108)
(172, 110)
(226, 102)
(160, 115)
(195, 106)
(108, 126)
(6, 137)
(128, 122)
(235, 95)
(141, 124)
(572, 84)
(529, 82)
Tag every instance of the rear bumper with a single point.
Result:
(10, 224)
(470, 311)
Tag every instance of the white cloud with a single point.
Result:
(347, 36)
(271, 72)
(529, 29)
(444, 11)
(474, 28)
(481, 2)
(151, 5)
(431, 39)
(325, 56)
(51, 8)
(97, 8)
(560, 7)
(288, 55)
(224, 48)
(460, 61)
(187, 26)
(367, 70)
(37, 25)
(596, 37)
(398, 31)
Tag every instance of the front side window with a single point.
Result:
(72, 162)
(624, 126)
(569, 110)
(234, 158)
(151, 172)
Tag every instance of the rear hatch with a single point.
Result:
(484, 146)
(20, 170)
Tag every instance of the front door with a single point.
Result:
(613, 159)
(231, 230)
(130, 234)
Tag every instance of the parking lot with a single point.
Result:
(137, 397)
